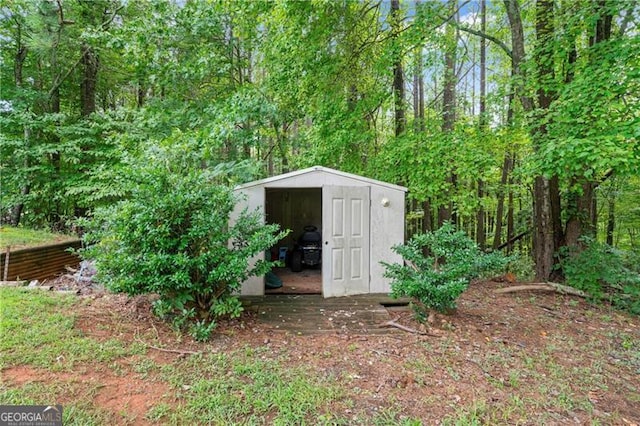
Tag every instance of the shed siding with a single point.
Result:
(387, 230)
(254, 286)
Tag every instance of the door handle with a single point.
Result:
(326, 243)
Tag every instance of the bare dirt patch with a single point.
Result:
(117, 391)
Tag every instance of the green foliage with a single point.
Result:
(293, 84)
(593, 125)
(604, 273)
(436, 280)
(201, 330)
(173, 238)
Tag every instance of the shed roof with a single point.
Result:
(265, 182)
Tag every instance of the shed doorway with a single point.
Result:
(294, 209)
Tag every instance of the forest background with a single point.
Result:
(518, 121)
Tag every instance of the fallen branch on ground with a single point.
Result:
(174, 351)
(558, 288)
(407, 329)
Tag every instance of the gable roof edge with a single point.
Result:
(300, 172)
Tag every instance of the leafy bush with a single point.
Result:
(604, 273)
(436, 280)
(173, 238)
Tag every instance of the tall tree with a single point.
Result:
(398, 74)
(482, 121)
(445, 211)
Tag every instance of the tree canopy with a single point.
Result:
(516, 121)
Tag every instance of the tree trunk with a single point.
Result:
(421, 95)
(90, 67)
(55, 218)
(510, 226)
(418, 106)
(517, 53)
(506, 169)
(507, 166)
(449, 93)
(445, 211)
(543, 238)
(398, 78)
(21, 55)
(611, 220)
(481, 237)
(546, 195)
(483, 66)
(141, 95)
(427, 225)
(581, 213)
(418, 93)
(548, 235)
(270, 169)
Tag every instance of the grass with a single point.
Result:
(81, 412)
(242, 387)
(36, 328)
(23, 237)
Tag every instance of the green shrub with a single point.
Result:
(436, 280)
(604, 273)
(173, 238)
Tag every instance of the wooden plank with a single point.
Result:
(313, 314)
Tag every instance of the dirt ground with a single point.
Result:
(544, 351)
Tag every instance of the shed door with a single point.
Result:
(345, 230)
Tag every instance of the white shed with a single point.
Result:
(360, 219)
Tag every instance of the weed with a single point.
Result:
(495, 382)
(468, 416)
(201, 330)
(144, 367)
(392, 417)
(453, 374)
(628, 342)
(514, 378)
(117, 369)
(419, 365)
